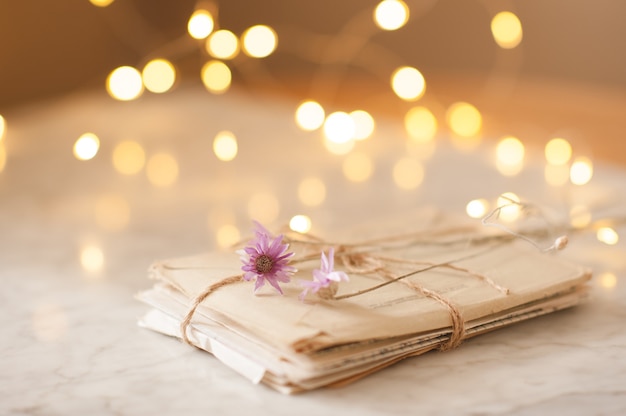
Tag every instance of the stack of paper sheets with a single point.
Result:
(293, 345)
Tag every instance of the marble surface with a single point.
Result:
(70, 343)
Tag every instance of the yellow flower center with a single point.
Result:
(263, 264)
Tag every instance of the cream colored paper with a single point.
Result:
(293, 345)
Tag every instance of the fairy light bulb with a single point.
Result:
(464, 119)
(216, 77)
(607, 235)
(158, 76)
(510, 156)
(408, 83)
(128, 157)
(420, 124)
(259, 41)
(200, 24)
(339, 127)
(581, 171)
(300, 223)
(558, 151)
(391, 14)
(477, 208)
(357, 167)
(125, 83)
(87, 146)
(506, 29)
(310, 115)
(363, 124)
(222, 44)
(225, 146)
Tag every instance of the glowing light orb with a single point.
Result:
(408, 83)
(558, 151)
(92, 258)
(101, 3)
(223, 44)
(3, 127)
(357, 167)
(300, 223)
(86, 147)
(158, 76)
(339, 127)
(581, 171)
(225, 146)
(510, 156)
(310, 115)
(506, 29)
(608, 280)
(128, 158)
(125, 83)
(259, 41)
(200, 24)
(510, 209)
(607, 235)
(312, 191)
(162, 170)
(3, 157)
(363, 124)
(216, 77)
(391, 14)
(477, 208)
(464, 119)
(420, 124)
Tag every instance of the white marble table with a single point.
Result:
(70, 343)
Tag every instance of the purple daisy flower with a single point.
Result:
(265, 258)
(325, 276)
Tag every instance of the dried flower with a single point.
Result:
(324, 277)
(265, 258)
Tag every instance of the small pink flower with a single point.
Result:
(325, 276)
(265, 258)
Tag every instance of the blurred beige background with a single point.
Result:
(49, 48)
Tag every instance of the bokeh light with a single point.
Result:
(339, 127)
(222, 44)
(125, 83)
(87, 146)
(607, 235)
(477, 208)
(227, 235)
(558, 151)
(408, 83)
(608, 280)
(464, 119)
(420, 124)
(259, 41)
(128, 157)
(216, 77)
(112, 212)
(506, 29)
(312, 191)
(91, 258)
(162, 170)
(510, 156)
(200, 24)
(3, 127)
(300, 223)
(225, 146)
(510, 208)
(158, 75)
(581, 171)
(408, 173)
(310, 115)
(263, 207)
(363, 124)
(391, 14)
(357, 167)
(101, 3)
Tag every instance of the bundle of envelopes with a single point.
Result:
(295, 345)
